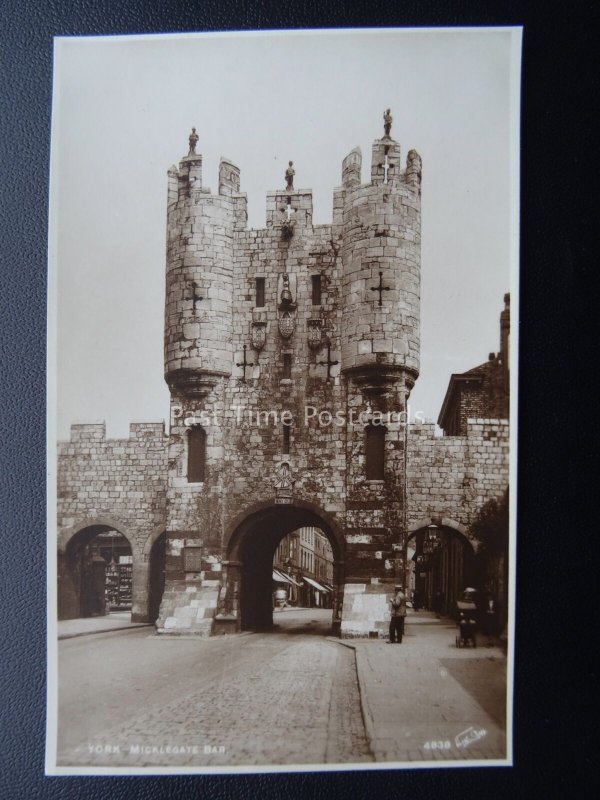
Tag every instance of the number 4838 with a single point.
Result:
(438, 745)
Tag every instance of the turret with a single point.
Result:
(381, 266)
(199, 285)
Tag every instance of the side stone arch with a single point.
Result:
(443, 574)
(81, 588)
(444, 522)
(153, 566)
(151, 539)
(140, 563)
(66, 535)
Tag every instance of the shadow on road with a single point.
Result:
(302, 621)
(485, 680)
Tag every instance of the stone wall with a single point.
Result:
(453, 476)
(448, 479)
(119, 484)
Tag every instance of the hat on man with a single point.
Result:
(397, 586)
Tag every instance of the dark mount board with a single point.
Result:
(560, 85)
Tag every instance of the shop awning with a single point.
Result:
(279, 577)
(316, 585)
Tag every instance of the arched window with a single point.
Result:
(374, 452)
(196, 465)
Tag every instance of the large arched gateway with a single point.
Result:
(249, 559)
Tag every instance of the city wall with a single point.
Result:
(111, 484)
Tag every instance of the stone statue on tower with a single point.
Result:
(387, 122)
(289, 176)
(193, 140)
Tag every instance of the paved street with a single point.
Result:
(294, 696)
(252, 699)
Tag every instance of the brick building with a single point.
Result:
(483, 391)
(290, 354)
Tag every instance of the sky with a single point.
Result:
(123, 109)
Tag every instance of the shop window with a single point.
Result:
(374, 452)
(196, 467)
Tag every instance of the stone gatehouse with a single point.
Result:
(290, 355)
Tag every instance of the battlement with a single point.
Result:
(364, 267)
(89, 431)
(291, 208)
(147, 430)
(96, 432)
(386, 167)
(185, 182)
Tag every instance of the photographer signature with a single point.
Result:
(469, 736)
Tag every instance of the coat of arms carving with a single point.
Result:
(315, 335)
(259, 335)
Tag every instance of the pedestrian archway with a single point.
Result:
(251, 549)
(95, 574)
(442, 565)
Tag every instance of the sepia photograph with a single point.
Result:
(282, 393)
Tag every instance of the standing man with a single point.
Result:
(398, 615)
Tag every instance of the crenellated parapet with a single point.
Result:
(96, 432)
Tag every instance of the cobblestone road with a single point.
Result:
(292, 697)
(130, 699)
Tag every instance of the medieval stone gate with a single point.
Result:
(290, 354)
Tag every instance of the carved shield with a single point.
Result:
(314, 334)
(286, 324)
(259, 335)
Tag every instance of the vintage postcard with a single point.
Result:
(282, 401)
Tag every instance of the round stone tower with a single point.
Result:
(381, 262)
(381, 268)
(199, 289)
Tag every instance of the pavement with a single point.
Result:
(293, 696)
(427, 700)
(84, 626)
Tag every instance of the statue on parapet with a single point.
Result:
(387, 122)
(193, 140)
(289, 176)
